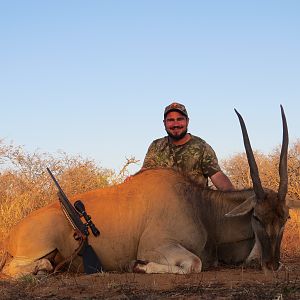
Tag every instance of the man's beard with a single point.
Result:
(177, 137)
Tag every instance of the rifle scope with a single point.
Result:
(81, 209)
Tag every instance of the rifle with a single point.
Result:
(91, 261)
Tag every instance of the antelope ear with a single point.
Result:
(243, 208)
(292, 203)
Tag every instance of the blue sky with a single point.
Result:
(93, 77)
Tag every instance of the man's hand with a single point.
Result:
(222, 182)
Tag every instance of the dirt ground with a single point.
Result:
(219, 283)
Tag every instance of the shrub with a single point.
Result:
(25, 184)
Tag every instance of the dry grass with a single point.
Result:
(221, 284)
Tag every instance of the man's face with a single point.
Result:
(176, 125)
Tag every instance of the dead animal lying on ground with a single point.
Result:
(163, 223)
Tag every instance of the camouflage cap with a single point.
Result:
(176, 107)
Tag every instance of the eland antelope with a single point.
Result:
(161, 222)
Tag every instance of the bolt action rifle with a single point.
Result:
(91, 261)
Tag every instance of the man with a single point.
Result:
(185, 152)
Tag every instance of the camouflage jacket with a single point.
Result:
(195, 158)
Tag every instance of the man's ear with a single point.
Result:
(243, 208)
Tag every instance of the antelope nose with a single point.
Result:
(272, 265)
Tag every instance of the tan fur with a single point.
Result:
(159, 217)
(134, 219)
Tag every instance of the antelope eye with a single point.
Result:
(256, 218)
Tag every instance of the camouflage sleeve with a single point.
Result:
(150, 158)
(210, 165)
